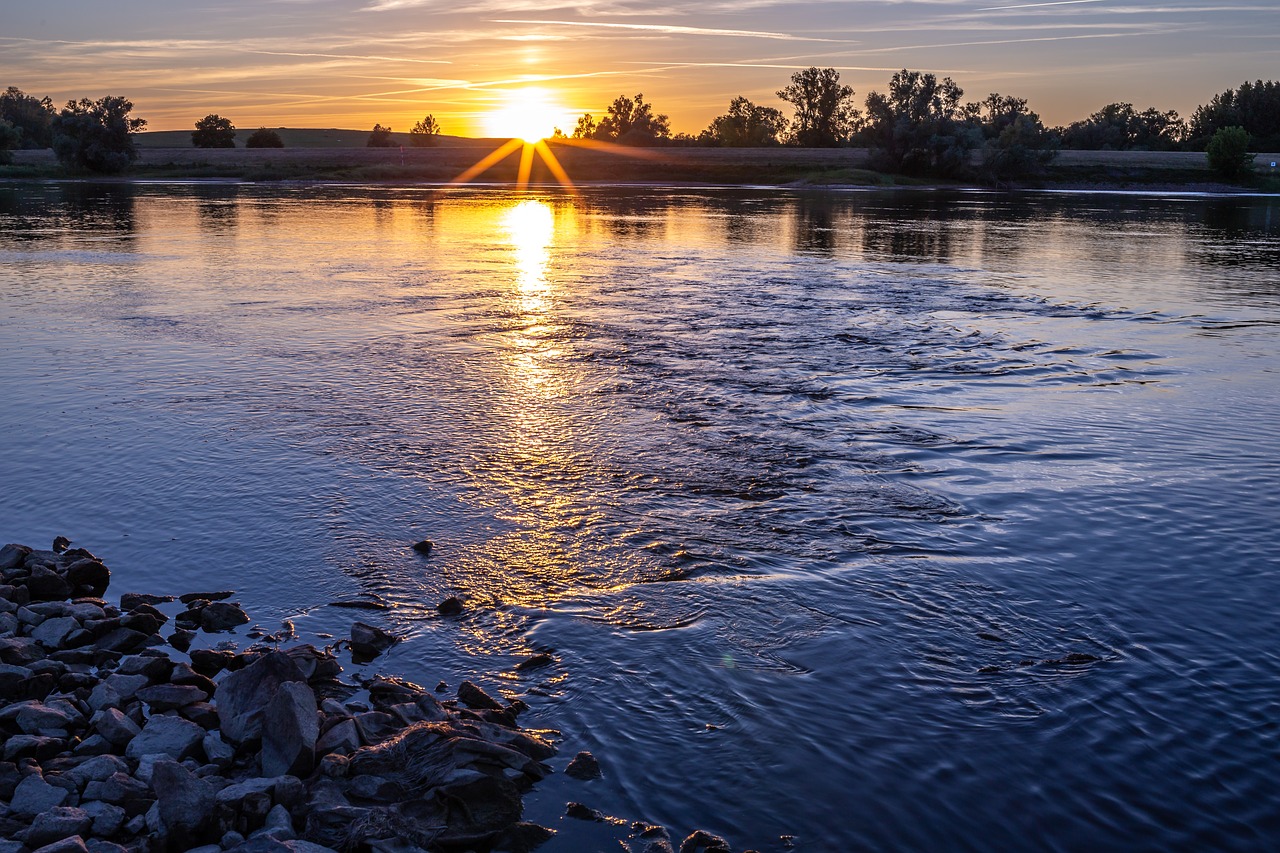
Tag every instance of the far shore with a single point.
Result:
(816, 167)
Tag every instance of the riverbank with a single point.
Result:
(725, 166)
(139, 725)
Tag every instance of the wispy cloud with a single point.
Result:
(669, 28)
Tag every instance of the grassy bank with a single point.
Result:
(733, 166)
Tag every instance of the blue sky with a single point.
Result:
(349, 63)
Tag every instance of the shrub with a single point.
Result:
(214, 131)
(380, 137)
(425, 133)
(263, 138)
(1228, 152)
(96, 135)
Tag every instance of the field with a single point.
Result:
(316, 155)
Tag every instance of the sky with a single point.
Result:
(351, 63)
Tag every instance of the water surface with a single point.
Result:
(811, 495)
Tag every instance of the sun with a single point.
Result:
(525, 114)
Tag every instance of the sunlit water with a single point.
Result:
(804, 491)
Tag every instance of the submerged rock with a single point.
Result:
(584, 766)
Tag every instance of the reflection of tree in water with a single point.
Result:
(634, 216)
(815, 232)
(1238, 232)
(97, 207)
(919, 233)
(218, 208)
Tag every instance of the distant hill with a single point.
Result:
(299, 137)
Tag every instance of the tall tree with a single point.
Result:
(31, 117)
(96, 135)
(631, 121)
(1228, 152)
(10, 136)
(1120, 127)
(825, 115)
(746, 125)
(1255, 107)
(1016, 143)
(425, 133)
(214, 131)
(920, 127)
(586, 128)
(380, 137)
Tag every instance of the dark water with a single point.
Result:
(812, 495)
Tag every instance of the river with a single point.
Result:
(812, 496)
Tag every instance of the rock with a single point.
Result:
(60, 544)
(12, 556)
(107, 819)
(114, 726)
(20, 651)
(33, 717)
(474, 697)
(217, 750)
(52, 632)
(130, 601)
(88, 577)
(289, 731)
(375, 726)
(96, 769)
(168, 697)
(424, 547)
(524, 837)
(279, 820)
(221, 616)
(656, 839)
(56, 824)
(13, 680)
(74, 844)
(369, 641)
(584, 766)
(103, 696)
(209, 663)
(93, 745)
(581, 812)
(535, 661)
(41, 748)
(173, 736)
(334, 766)
(185, 801)
(118, 789)
(189, 597)
(45, 584)
(699, 841)
(181, 640)
(123, 640)
(242, 695)
(203, 714)
(35, 796)
(451, 606)
(155, 666)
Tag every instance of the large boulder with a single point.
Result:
(171, 736)
(185, 801)
(289, 731)
(244, 694)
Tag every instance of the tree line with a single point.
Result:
(919, 126)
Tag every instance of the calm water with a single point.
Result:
(803, 490)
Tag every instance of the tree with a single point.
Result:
(214, 131)
(1253, 106)
(747, 125)
(1228, 152)
(96, 135)
(919, 127)
(586, 128)
(1119, 127)
(425, 133)
(380, 137)
(1016, 143)
(825, 115)
(32, 118)
(264, 138)
(10, 136)
(632, 122)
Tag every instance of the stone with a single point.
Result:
(107, 819)
(173, 736)
(242, 695)
(168, 697)
(36, 746)
(131, 600)
(581, 812)
(20, 651)
(234, 795)
(103, 696)
(74, 844)
(35, 796)
(451, 606)
(97, 845)
(156, 667)
(45, 584)
(189, 597)
(584, 766)
(423, 547)
(34, 717)
(334, 766)
(369, 641)
(94, 745)
(185, 800)
(13, 555)
(88, 577)
(203, 714)
(289, 731)
(56, 824)
(121, 640)
(181, 640)
(126, 686)
(474, 697)
(523, 837)
(13, 680)
(118, 789)
(114, 726)
(699, 841)
(222, 616)
(96, 769)
(535, 661)
(280, 819)
(52, 632)
(375, 726)
(217, 750)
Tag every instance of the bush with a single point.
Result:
(380, 137)
(10, 136)
(263, 138)
(214, 131)
(425, 133)
(96, 135)
(1228, 152)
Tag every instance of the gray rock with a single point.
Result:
(147, 765)
(13, 555)
(97, 845)
(96, 769)
(232, 795)
(132, 600)
(113, 725)
(45, 584)
(342, 738)
(8, 624)
(584, 766)
(208, 848)
(74, 844)
(222, 616)
(289, 731)
(156, 667)
(94, 745)
(103, 696)
(217, 750)
(117, 789)
(37, 717)
(35, 796)
(474, 697)
(51, 632)
(126, 686)
(186, 801)
(173, 736)
(280, 820)
(107, 819)
(244, 694)
(168, 697)
(704, 841)
(56, 824)
(375, 726)
(35, 746)
(369, 641)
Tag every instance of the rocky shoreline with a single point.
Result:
(118, 737)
